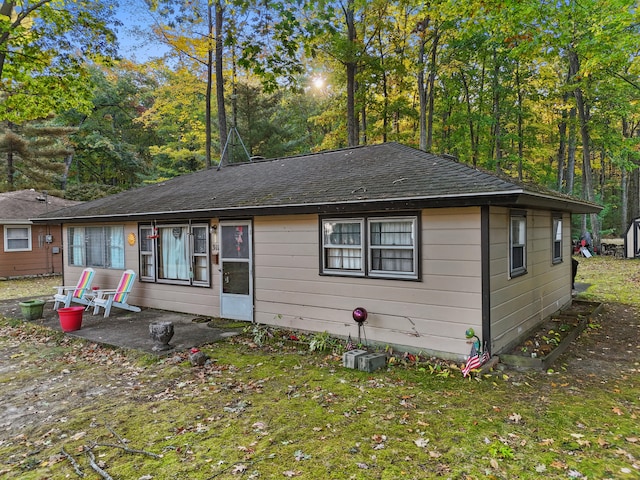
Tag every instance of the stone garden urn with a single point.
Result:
(161, 333)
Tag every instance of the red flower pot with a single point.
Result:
(70, 318)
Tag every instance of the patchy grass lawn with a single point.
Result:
(280, 412)
(612, 279)
(31, 287)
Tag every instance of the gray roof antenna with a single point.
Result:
(233, 130)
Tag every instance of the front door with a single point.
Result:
(236, 260)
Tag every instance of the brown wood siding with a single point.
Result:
(520, 303)
(41, 260)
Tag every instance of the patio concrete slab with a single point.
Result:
(130, 330)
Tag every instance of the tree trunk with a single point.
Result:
(430, 87)
(11, 171)
(385, 92)
(222, 115)
(628, 132)
(562, 147)
(624, 194)
(571, 151)
(584, 117)
(5, 12)
(520, 121)
(497, 127)
(422, 97)
(207, 113)
(472, 135)
(350, 64)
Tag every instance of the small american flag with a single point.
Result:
(486, 356)
(350, 346)
(473, 362)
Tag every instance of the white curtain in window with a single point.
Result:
(392, 234)
(174, 253)
(116, 247)
(347, 234)
(77, 248)
(558, 229)
(344, 258)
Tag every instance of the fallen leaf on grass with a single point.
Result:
(78, 436)
(631, 439)
(290, 473)
(515, 417)
(421, 442)
(240, 468)
(617, 411)
(558, 464)
(300, 455)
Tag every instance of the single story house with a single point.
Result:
(428, 246)
(28, 249)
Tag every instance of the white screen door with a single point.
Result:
(236, 260)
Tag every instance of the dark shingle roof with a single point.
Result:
(25, 204)
(387, 175)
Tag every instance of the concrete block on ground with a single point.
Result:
(350, 358)
(371, 362)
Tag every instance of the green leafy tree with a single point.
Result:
(111, 145)
(44, 47)
(177, 118)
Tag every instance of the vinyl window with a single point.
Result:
(556, 234)
(371, 246)
(101, 246)
(17, 238)
(518, 245)
(175, 253)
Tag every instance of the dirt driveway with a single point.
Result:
(609, 351)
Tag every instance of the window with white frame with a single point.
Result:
(556, 234)
(17, 238)
(518, 244)
(101, 246)
(371, 246)
(147, 235)
(343, 250)
(175, 253)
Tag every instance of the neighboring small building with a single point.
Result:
(429, 246)
(632, 239)
(29, 249)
